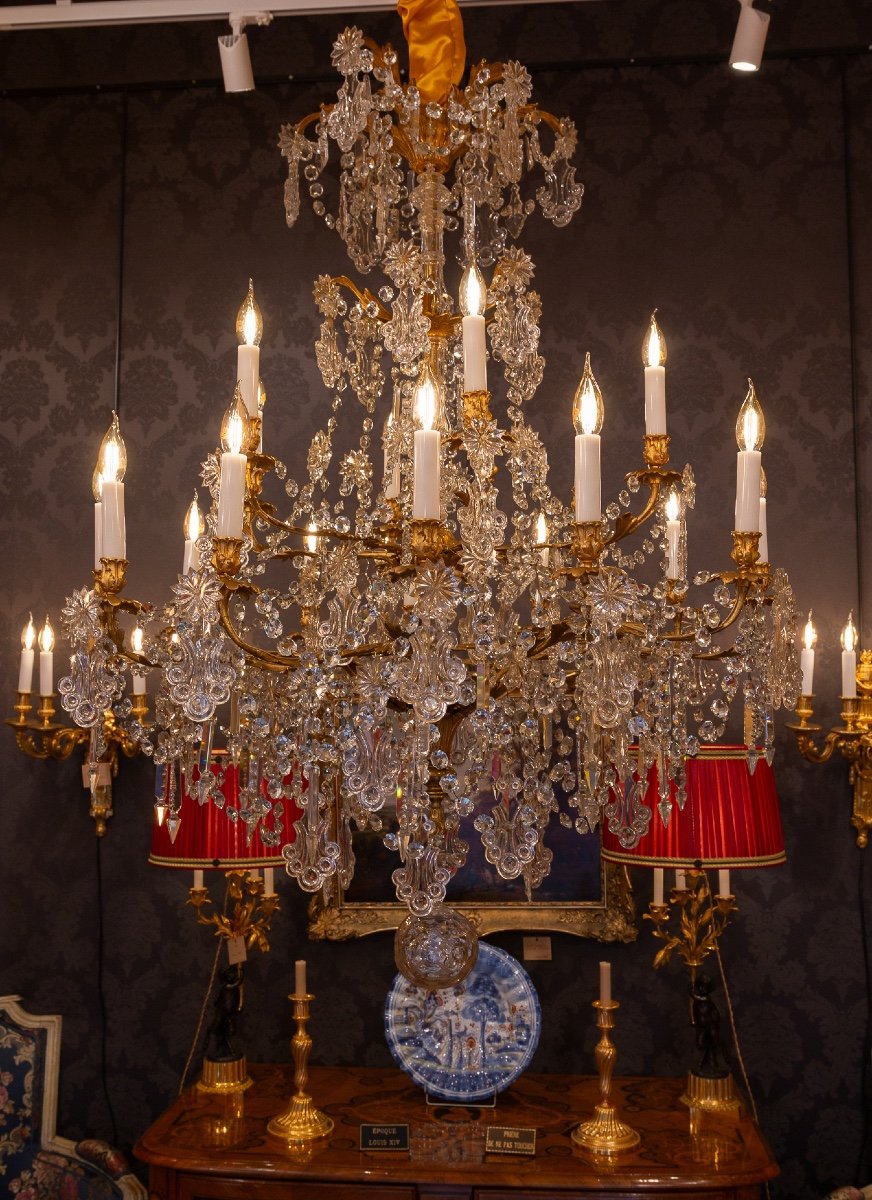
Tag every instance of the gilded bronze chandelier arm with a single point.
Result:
(378, 548)
(836, 739)
(365, 296)
(628, 523)
(56, 743)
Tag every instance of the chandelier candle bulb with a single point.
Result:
(806, 657)
(587, 416)
(658, 885)
(425, 495)
(25, 667)
(98, 533)
(193, 531)
(763, 553)
(605, 981)
(750, 432)
(673, 535)
(542, 539)
(46, 659)
(473, 293)
(654, 360)
(108, 488)
(300, 977)
(724, 883)
(849, 660)
(249, 330)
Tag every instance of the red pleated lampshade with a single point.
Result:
(208, 838)
(730, 818)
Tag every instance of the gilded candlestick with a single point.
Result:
(605, 1134)
(301, 1121)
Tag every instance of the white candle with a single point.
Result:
(806, 658)
(391, 475)
(724, 883)
(764, 539)
(114, 540)
(673, 536)
(658, 885)
(542, 539)
(269, 883)
(300, 977)
(605, 979)
(748, 465)
(588, 484)
(248, 376)
(231, 495)
(680, 880)
(25, 667)
(136, 639)
(849, 660)
(474, 355)
(473, 295)
(193, 531)
(98, 534)
(46, 659)
(425, 498)
(198, 878)
(653, 359)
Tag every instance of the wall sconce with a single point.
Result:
(235, 56)
(853, 738)
(750, 38)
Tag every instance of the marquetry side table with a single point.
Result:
(208, 1147)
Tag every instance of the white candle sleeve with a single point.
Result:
(98, 534)
(655, 400)
(300, 977)
(588, 486)
(138, 684)
(269, 881)
(474, 355)
(605, 972)
(198, 878)
(25, 670)
(391, 479)
(46, 672)
(680, 880)
(849, 674)
(425, 498)
(186, 559)
(673, 534)
(231, 495)
(658, 885)
(748, 491)
(248, 375)
(724, 883)
(806, 662)
(114, 541)
(764, 537)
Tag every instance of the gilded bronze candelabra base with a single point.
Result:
(301, 1121)
(225, 1075)
(605, 1134)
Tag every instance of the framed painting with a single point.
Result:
(581, 895)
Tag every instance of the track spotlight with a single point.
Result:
(233, 48)
(751, 30)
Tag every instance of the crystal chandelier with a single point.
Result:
(418, 636)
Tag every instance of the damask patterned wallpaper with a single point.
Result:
(740, 207)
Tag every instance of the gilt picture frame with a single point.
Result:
(582, 895)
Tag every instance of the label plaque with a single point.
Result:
(506, 1139)
(384, 1137)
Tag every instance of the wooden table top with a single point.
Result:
(227, 1135)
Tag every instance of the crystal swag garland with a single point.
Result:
(430, 642)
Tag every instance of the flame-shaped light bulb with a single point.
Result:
(235, 426)
(750, 423)
(428, 405)
(136, 639)
(587, 405)
(46, 637)
(473, 292)
(673, 506)
(809, 637)
(654, 344)
(849, 634)
(249, 320)
(193, 521)
(111, 458)
(28, 634)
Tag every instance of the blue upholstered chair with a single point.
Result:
(36, 1164)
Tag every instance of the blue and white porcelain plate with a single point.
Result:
(467, 1042)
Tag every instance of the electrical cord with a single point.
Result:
(101, 997)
